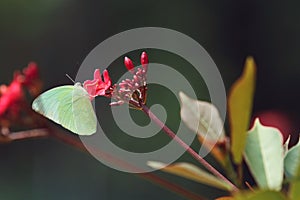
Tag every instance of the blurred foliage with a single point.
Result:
(240, 103)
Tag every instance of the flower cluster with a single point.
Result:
(98, 87)
(12, 94)
(132, 91)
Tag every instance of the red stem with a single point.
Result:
(75, 142)
(195, 155)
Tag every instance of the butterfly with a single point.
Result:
(69, 106)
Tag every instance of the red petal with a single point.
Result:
(144, 60)
(13, 94)
(31, 71)
(128, 63)
(97, 75)
(97, 87)
(107, 80)
(90, 86)
(100, 92)
(3, 89)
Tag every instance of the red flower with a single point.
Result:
(132, 91)
(97, 87)
(32, 79)
(31, 73)
(12, 94)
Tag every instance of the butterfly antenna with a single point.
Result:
(70, 78)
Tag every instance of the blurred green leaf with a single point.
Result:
(292, 161)
(225, 198)
(294, 192)
(260, 195)
(191, 172)
(240, 102)
(203, 118)
(264, 156)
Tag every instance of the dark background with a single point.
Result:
(58, 34)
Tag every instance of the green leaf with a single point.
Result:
(240, 102)
(260, 195)
(203, 118)
(294, 191)
(264, 156)
(292, 161)
(225, 198)
(191, 172)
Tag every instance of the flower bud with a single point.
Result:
(144, 60)
(129, 64)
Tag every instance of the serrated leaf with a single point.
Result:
(264, 156)
(192, 172)
(260, 195)
(240, 102)
(203, 118)
(292, 161)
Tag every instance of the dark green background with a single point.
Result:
(58, 34)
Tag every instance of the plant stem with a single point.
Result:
(76, 142)
(240, 174)
(195, 155)
(21, 135)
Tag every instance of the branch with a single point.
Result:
(22, 135)
(195, 155)
(75, 142)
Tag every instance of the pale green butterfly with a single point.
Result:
(69, 106)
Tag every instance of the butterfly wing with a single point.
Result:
(69, 106)
(84, 116)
